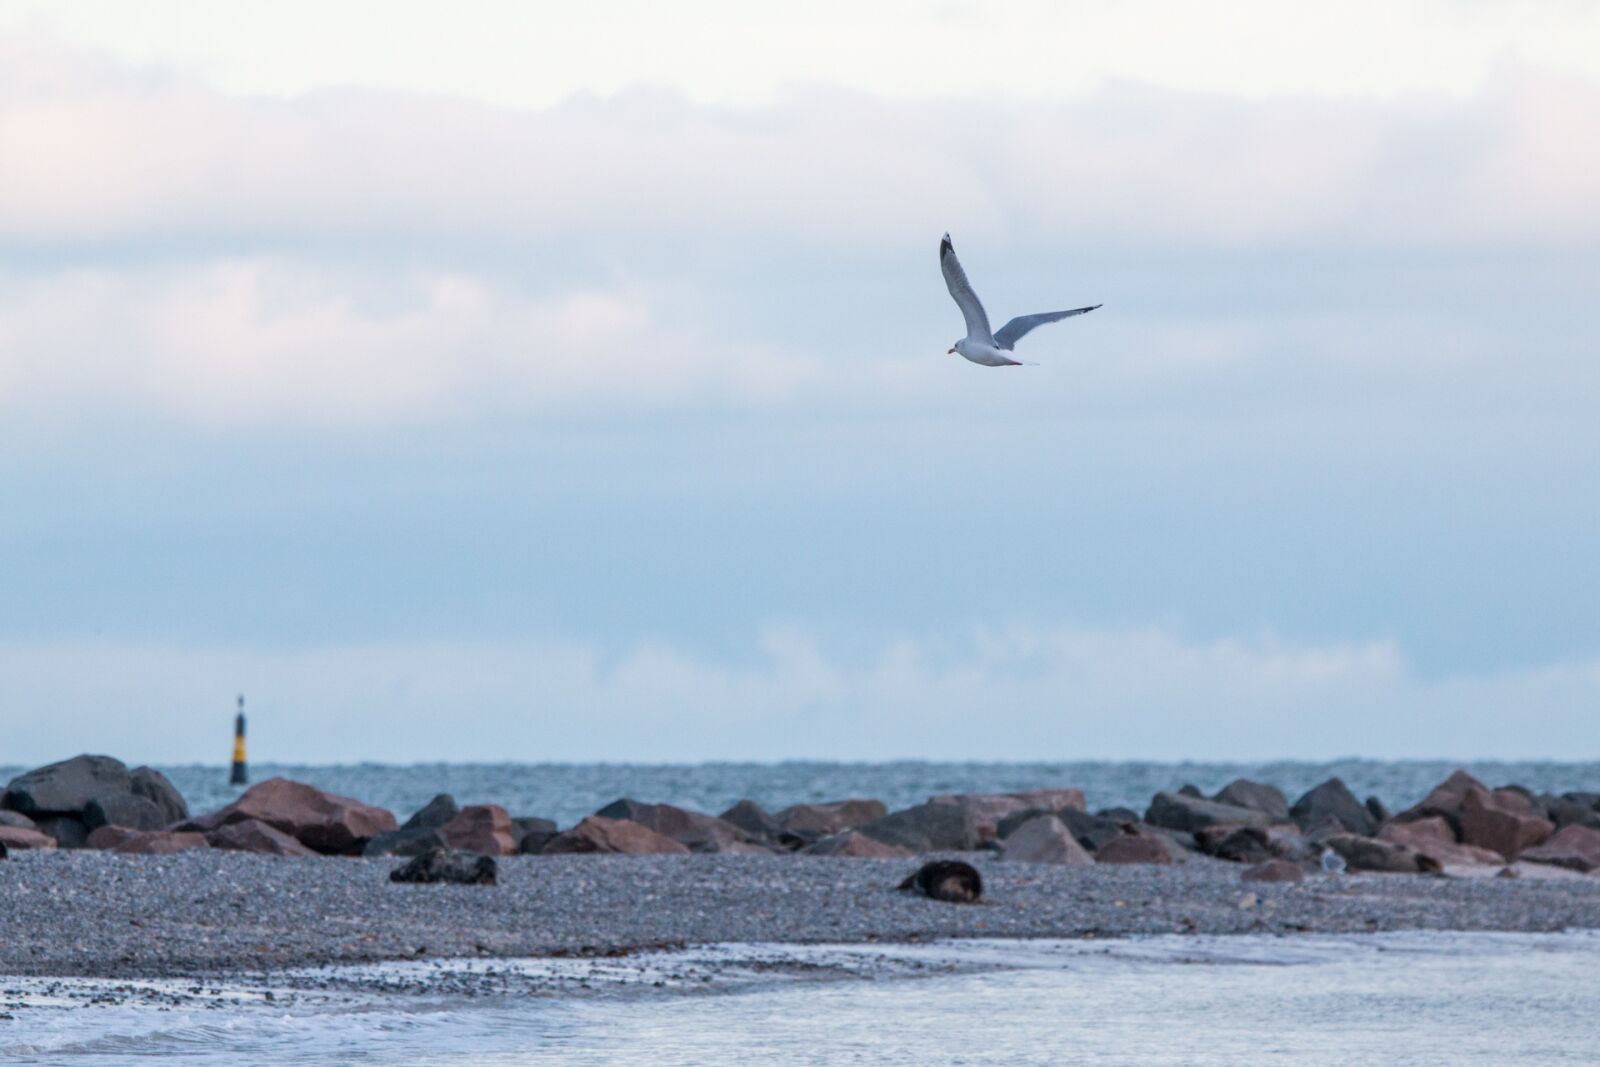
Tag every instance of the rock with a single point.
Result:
(600, 834)
(1444, 801)
(1433, 838)
(1237, 844)
(17, 819)
(531, 832)
(152, 785)
(4, 852)
(1092, 831)
(1574, 847)
(1045, 839)
(14, 837)
(987, 809)
(809, 822)
(1274, 870)
(1332, 801)
(695, 830)
(1179, 811)
(443, 866)
(107, 837)
(754, 820)
(1588, 800)
(68, 786)
(68, 830)
(1139, 847)
(534, 841)
(947, 880)
(484, 828)
(1119, 815)
(1565, 811)
(326, 822)
(1503, 821)
(1372, 854)
(930, 827)
(125, 809)
(253, 835)
(434, 814)
(414, 841)
(160, 843)
(856, 844)
(1378, 810)
(1189, 789)
(1257, 796)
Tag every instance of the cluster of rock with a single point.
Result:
(97, 802)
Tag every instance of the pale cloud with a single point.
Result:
(1013, 692)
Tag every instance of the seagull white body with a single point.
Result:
(981, 345)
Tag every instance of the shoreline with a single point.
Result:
(226, 915)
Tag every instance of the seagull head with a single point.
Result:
(954, 348)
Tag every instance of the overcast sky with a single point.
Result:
(502, 381)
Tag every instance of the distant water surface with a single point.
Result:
(568, 791)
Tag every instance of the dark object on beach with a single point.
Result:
(3, 852)
(1371, 854)
(1332, 802)
(441, 865)
(948, 880)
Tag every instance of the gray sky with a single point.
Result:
(531, 385)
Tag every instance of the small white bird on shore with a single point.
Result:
(1332, 863)
(980, 345)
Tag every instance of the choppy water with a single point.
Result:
(567, 791)
(1402, 1000)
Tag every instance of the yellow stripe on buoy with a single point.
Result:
(241, 770)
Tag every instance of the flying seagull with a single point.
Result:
(979, 345)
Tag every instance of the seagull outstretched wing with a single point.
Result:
(1019, 327)
(971, 307)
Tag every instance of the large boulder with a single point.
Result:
(1433, 837)
(68, 786)
(600, 834)
(1254, 844)
(16, 819)
(152, 785)
(1257, 796)
(804, 823)
(1044, 839)
(754, 820)
(483, 828)
(931, 827)
(102, 838)
(1568, 811)
(253, 835)
(15, 837)
(1574, 847)
(531, 832)
(446, 867)
(1332, 803)
(69, 831)
(1444, 801)
(1502, 820)
(1092, 831)
(695, 830)
(434, 814)
(856, 845)
(159, 843)
(1371, 854)
(326, 822)
(125, 809)
(987, 809)
(1179, 811)
(1139, 846)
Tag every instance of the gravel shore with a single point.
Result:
(207, 912)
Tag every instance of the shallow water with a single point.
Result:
(568, 791)
(1400, 1000)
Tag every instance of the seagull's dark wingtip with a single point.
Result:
(945, 247)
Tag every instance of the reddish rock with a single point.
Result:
(1444, 801)
(253, 835)
(858, 846)
(812, 821)
(695, 830)
(1574, 847)
(1274, 871)
(17, 837)
(1371, 854)
(600, 834)
(987, 809)
(1433, 837)
(104, 837)
(325, 822)
(481, 828)
(160, 843)
(1503, 821)
(1045, 839)
(1134, 848)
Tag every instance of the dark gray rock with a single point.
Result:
(68, 830)
(68, 786)
(1009, 824)
(531, 833)
(1564, 811)
(754, 820)
(1092, 831)
(443, 866)
(926, 828)
(1120, 815)
(1588, 800)
(151, 784)
(434, 814)
(532, 843)
(1257, 796)
(1378, 810)
(1333, 801)
(1189, 789)
(803, 824)
(695, 830)
(948, 880)
(1179, 811)
(125, 809)
(1371, 854)
(416, 841)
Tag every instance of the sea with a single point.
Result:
(566, 792)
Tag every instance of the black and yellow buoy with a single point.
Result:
(241, 772)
